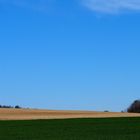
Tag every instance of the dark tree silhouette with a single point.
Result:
(134, 107)
(8, 106)
(17, 107)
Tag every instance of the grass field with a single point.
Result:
(72, 129)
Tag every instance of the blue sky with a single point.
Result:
(78, 54)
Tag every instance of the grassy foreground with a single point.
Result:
(72, 129)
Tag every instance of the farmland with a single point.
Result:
(35, 114)
(71, 129)
(34, 124)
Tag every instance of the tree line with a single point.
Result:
(133, 108)
(8, 106)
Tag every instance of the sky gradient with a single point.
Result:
(81, 55)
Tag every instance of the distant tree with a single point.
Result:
(17, 107)
(6, 106)
(106, 111)
(134, 107)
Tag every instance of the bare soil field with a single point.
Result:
(35, 114)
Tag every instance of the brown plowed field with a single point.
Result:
(33, 114)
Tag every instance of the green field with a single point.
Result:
(72, 129)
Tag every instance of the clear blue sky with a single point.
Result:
(77, 54)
